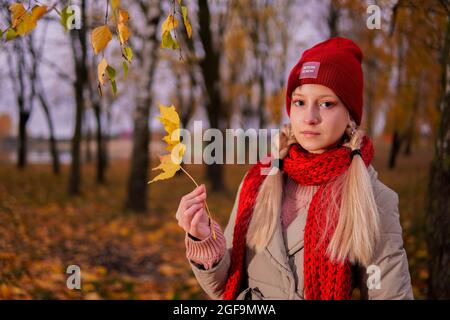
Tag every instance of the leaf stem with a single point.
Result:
(206, 205)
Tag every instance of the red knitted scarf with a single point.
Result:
(323, 279)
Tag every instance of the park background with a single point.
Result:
(74, 164)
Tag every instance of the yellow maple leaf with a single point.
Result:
(171, 122)
(100, 38)
(171, 163)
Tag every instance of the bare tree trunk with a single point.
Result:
(80, 52)
(37, 89)
(438, 202)
(214, 105)
(261, 104)
(52, 140)
(96, 105)
(395, 149)
(369, 90)
(138, 178)
(22, 146)
(87, 140)
(107, 135)
(101, 150)
(397, 139)
(411, 128)
(412, 123)
(24, 112)
(137, 182)
(333, 19)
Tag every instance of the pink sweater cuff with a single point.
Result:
(207, 251)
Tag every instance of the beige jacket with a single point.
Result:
(277, 272)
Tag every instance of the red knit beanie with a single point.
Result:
(336, 64)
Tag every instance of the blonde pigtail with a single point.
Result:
(268, 201)
(357, 229)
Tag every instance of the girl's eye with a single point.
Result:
(298, 103)
(327, 104)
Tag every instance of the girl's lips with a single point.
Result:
(310, 133)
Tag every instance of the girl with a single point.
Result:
(321, 224)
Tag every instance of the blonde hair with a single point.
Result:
(357, 227)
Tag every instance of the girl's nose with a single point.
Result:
(311, 116)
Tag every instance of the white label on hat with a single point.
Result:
(309, 70)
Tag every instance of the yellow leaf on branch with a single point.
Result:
(170, 23)
(122, 27)
(24, 21)
(26, 24)
(168, 41)
(115, 4)
(124, 33)
(187, 24)
(38, 11)
(123, 16)
(100, 38)
(17, 12)
(101, 71)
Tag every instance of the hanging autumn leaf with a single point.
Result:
(169, 24)
(122, 27)
(128, 54)
(171, 163)
(101, 71)
(187, 24)
(38, 11)
(123, 16)
(17, 12)
(168, 41)
(100, 38)
(11, 34)
(66, 13)
(24, 21)
(115, 4)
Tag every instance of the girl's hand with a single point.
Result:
(191, 213)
